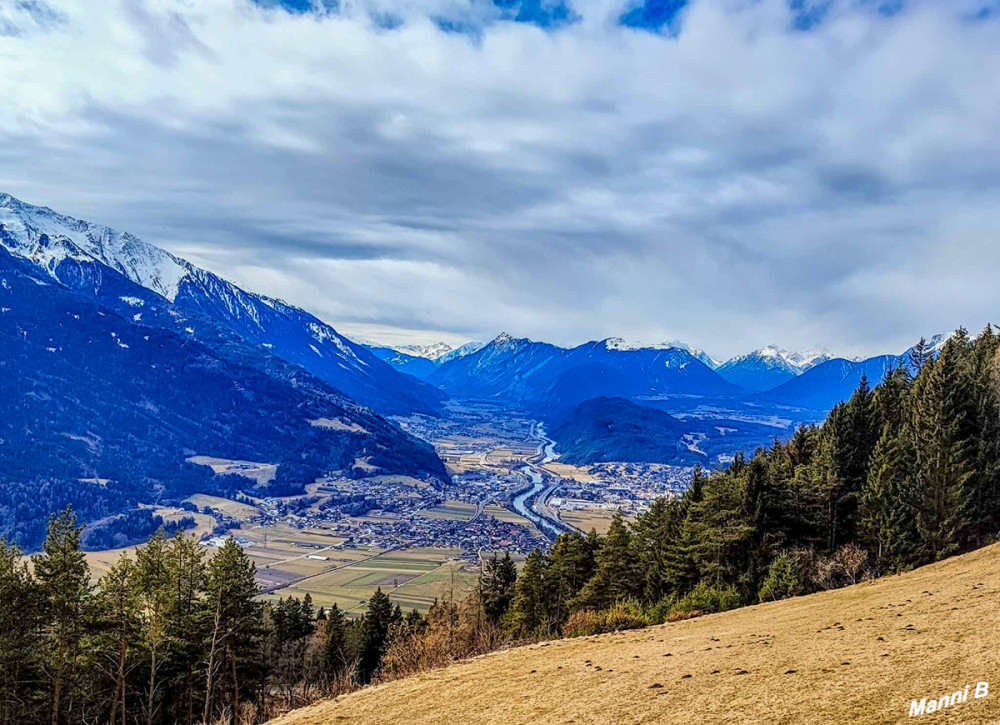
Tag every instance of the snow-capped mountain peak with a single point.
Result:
(774, 355)
(771, 356)
(468, 348)
(761, 369)
(695, 352)
(89, 258)
(505, 339)
(431, 352)
(46, 238)
(809, 358)
(620, 345)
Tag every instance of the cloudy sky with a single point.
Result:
(726, 172)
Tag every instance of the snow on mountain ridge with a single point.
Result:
(774, 355)
(468, 348)
(88, 257)
(431, 352)
(809, 358)
(696, 352)
(46, 238)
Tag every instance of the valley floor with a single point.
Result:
(859, 654)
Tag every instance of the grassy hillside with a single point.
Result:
(859, 654)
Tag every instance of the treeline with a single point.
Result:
(132, 527)
(171, 635)
(897, 477)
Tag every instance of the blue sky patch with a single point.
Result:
(301, 6)
(654, 14)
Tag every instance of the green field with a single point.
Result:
(413, 578)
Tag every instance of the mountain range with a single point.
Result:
(422, 360)
(614, 401)
(113, 345)
(92, 259)
(120, 362)
(541, 374)
(545, 378)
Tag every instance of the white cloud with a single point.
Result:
(740, 183)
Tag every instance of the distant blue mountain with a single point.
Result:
(552, 379)
(615, 429)
(91, 259)
(418, 367)
(760, 370)
(422, 360)
(829, 383)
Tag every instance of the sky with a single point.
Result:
(730, 173)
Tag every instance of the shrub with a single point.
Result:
(782, 580)
(847, 565)
(660, 611)
(583, 624)
(707, 600)
(624, 615)
(618, 617)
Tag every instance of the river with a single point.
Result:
(520, 502)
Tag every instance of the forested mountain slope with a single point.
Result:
(101, 410)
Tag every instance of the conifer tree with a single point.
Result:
(64, 577)
(570, 566)
(496, 586)
(336, 656)
(153, 591)
(527, 609)
(983, 502)
(942, 456)
(656, 537)
(185, 612)
(887, 505)
(375, 633)
(616, 576)
(21, 612)
(235, 620)
(120, 625)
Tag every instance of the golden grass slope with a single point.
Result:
(859, 654)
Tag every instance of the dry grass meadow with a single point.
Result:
(855, 655)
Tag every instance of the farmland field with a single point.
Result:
(413, 578)
(239, 511)
(587, 519)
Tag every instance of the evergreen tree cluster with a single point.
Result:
(171, 635)
(132, 527)
(898, 476)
